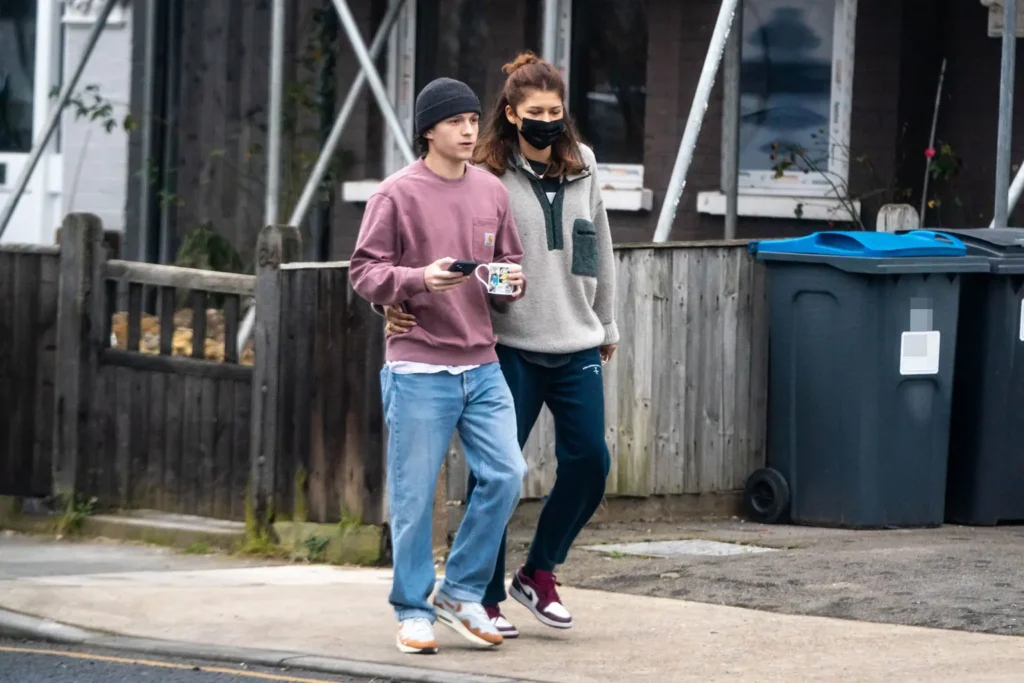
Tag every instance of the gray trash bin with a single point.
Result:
(862, 337)
(986, 447)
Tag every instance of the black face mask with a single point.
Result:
(542, 134)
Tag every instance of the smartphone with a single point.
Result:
(464, 267)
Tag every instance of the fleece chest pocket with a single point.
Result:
(584, 248)
(485, 232)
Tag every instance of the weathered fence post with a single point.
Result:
(79, 339)
(276, 245)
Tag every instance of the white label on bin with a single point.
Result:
(1022, 320)
(919, 353)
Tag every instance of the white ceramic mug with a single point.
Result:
(497, 278)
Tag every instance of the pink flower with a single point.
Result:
(930, 152)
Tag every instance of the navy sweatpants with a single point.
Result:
(574, 393)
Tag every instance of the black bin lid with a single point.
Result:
(1005, 246)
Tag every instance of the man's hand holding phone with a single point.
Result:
(438, 278)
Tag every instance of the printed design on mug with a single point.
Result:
(489, 239)
(499, 278)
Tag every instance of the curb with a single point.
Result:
(27, 627)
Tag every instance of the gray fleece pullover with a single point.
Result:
(569, 304)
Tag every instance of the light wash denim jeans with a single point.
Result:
(422, 411)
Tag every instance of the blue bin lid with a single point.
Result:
(861, 244)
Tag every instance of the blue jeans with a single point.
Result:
(422, 411)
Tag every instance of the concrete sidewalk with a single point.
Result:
(338, 612)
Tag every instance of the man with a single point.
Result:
(444, 374)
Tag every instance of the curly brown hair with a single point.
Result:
(499, 137)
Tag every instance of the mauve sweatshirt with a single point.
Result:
(415, 218)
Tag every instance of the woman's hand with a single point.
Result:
(516, 278)
(398, 321)
(607, 351)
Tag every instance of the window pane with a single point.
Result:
(17, 73)
(786, 81)
(608, 71)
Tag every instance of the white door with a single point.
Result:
(30, 48)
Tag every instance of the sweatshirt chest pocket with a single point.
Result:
(485, 232)
(584, 248)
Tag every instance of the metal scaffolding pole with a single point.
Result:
(380, 92)
(731, 123)
(1016, 189)
(324, 160)
(700, 105)
(277, 38)
(51, 124)
(1005, 130)
(549, 39)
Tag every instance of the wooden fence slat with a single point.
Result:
(79, 304)
(25, 351)
(134, 316)
(123, 453)
(231, 315)
(191, 444)
(224, 475)
(693, 470)
(8, 390)
(207, 444)
(240, 470)
(727, 315)
(680, 333)
(174, 483)
(168, 304)
(175, 277)
(155, 443)
(138, 472)
(307, 384)
(276, 245)
(664, 448)
(42, 473)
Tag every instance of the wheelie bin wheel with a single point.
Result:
(766, 496)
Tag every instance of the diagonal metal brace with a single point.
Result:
(334, 139)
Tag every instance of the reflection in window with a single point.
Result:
(786, 79)
(17, 73)
(608, 73)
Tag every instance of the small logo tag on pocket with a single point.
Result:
(489, 239)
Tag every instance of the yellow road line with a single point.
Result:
(165, 665)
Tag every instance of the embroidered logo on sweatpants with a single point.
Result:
(595, 368)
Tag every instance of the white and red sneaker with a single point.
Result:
(540, 596)
(504, 626)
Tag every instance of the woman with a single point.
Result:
(552, 343)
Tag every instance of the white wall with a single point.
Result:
(95, 176)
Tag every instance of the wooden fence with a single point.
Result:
(330, 433)
(686, 393)
(153, 406)
(28, 341)
(150, 411)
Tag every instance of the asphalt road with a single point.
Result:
(29, 662)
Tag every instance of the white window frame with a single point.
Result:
(796, 183)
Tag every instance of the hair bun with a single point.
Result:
(522, 60)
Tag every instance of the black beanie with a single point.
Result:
(442, 99)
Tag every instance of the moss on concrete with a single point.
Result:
(333, 543)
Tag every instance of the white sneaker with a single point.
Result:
(468, 619)
(416, 637)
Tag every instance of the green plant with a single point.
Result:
(73, 519)
(316, 547)
(789, 158)
(349, 519)
(197, 548)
